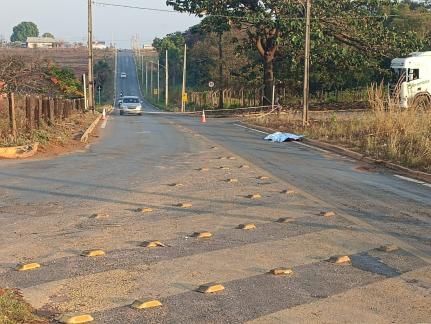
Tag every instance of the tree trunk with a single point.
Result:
(268, 68)
(221, 83)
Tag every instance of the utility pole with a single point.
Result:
(151, 78)
(167, 80)
(142, 70)
(90, 57)
(146, 78)
(183, 101)
(158, 80)
(307, 66)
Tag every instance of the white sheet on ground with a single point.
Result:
(283, 137)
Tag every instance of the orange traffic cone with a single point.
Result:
(203, 119)
(103, 114)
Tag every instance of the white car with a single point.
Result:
(131, 105)
(123, 75)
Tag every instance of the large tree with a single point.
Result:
(23, 30)
(271, 25)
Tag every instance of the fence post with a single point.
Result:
(28, 112)
(45, 109)
(37, 110)
(51, 117)
(12, 119)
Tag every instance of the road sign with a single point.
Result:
(211, 84)
(185, 97)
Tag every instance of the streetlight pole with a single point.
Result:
(151, 78)
(146, 78)
(158, 80)
(167, 81)
(307, 66)
(90, 57)
(183, 101)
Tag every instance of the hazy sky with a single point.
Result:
(67, 19)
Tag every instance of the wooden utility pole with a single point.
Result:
(183, 101)
(90, 57)
(307, 65)
(167, 80)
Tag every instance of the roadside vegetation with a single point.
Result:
(385, 132)
(254, 45)
(14, 310)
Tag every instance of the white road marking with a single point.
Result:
(104, 122)
(413, 180)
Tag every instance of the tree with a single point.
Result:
(48, 35)
(23, 30)
(274, 26)
(218, 25)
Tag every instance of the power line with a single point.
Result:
(106, 4)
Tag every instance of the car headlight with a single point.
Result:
(139, 107)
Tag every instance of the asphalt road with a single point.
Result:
(47, 207)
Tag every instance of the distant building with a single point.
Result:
(42, 42)
(99, 45)
(149, 48)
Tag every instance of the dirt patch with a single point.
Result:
(366, 168)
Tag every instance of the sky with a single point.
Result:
(67, 19)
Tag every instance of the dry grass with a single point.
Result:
(384, 132)
(14, 310)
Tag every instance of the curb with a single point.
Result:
(84, 137)
(19, 152)
(418, 175)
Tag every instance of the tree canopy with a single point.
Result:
(23, 30)
(348, 36)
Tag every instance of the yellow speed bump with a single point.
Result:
(388, 248)
(328, 213)
(176, 185)
(75, 318)
(100, 216)
(232, 180)
(283, 220)
(144, 304)
(281, 271)
(255, 196)
(204, 234)
(340, 259)
(28, 266)
(152, 244)
(210, 288)
(288, 192)
(247, 227)
(185, 205)
(144, 210)
(262, 178)
(93, 253)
